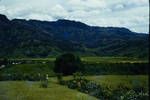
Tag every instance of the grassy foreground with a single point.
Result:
(27, 90)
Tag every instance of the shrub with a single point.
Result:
(60, 78)
(67, 64)
(133, 95)
(143, 96)
(78, 82)
(72, 84)
(116, 68)
(78, 76)
(44, 83)
(4, 61)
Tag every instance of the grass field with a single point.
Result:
(25, 90)
(113, 60)
(28, 90)
(94, 59)
(30, 69)
(92, 66)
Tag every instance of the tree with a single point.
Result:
(68, 64)
(4, 61)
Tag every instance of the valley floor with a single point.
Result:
(25, 90)
(28, 90)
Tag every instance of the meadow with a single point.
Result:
(90, 59)
(18, 80)
(28, 90)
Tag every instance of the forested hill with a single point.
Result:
(33, 38)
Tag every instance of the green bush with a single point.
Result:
(31, 72)
(44, 84)
(44, 81)
(67, 64)
(116, 68)
(132, 95)
(60, 78)
(4, 61)
(121, 92)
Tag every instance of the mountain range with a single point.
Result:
(34, 38)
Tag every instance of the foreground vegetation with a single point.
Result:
(113, 81)
(106, 78)
(111, 87)
(32, 71)
(27, 90)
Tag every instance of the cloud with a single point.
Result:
(39, 17)
(58, 12)
(133, 14)
(87, 4)
(2, 8)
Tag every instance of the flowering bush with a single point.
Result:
(122, 92)
(132, 95)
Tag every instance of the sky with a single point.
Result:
(132, 14)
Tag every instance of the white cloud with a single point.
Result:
(88, 3)
(58, 11)
(39, 17)
(133, 14)
(138, 2)
(2, 8)
(120, 6)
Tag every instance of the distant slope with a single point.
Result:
(33, 38)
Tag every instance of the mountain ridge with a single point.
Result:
(66, 20)
(34, 38)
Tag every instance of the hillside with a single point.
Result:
(33, 38)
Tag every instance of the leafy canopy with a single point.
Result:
(67, 64)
